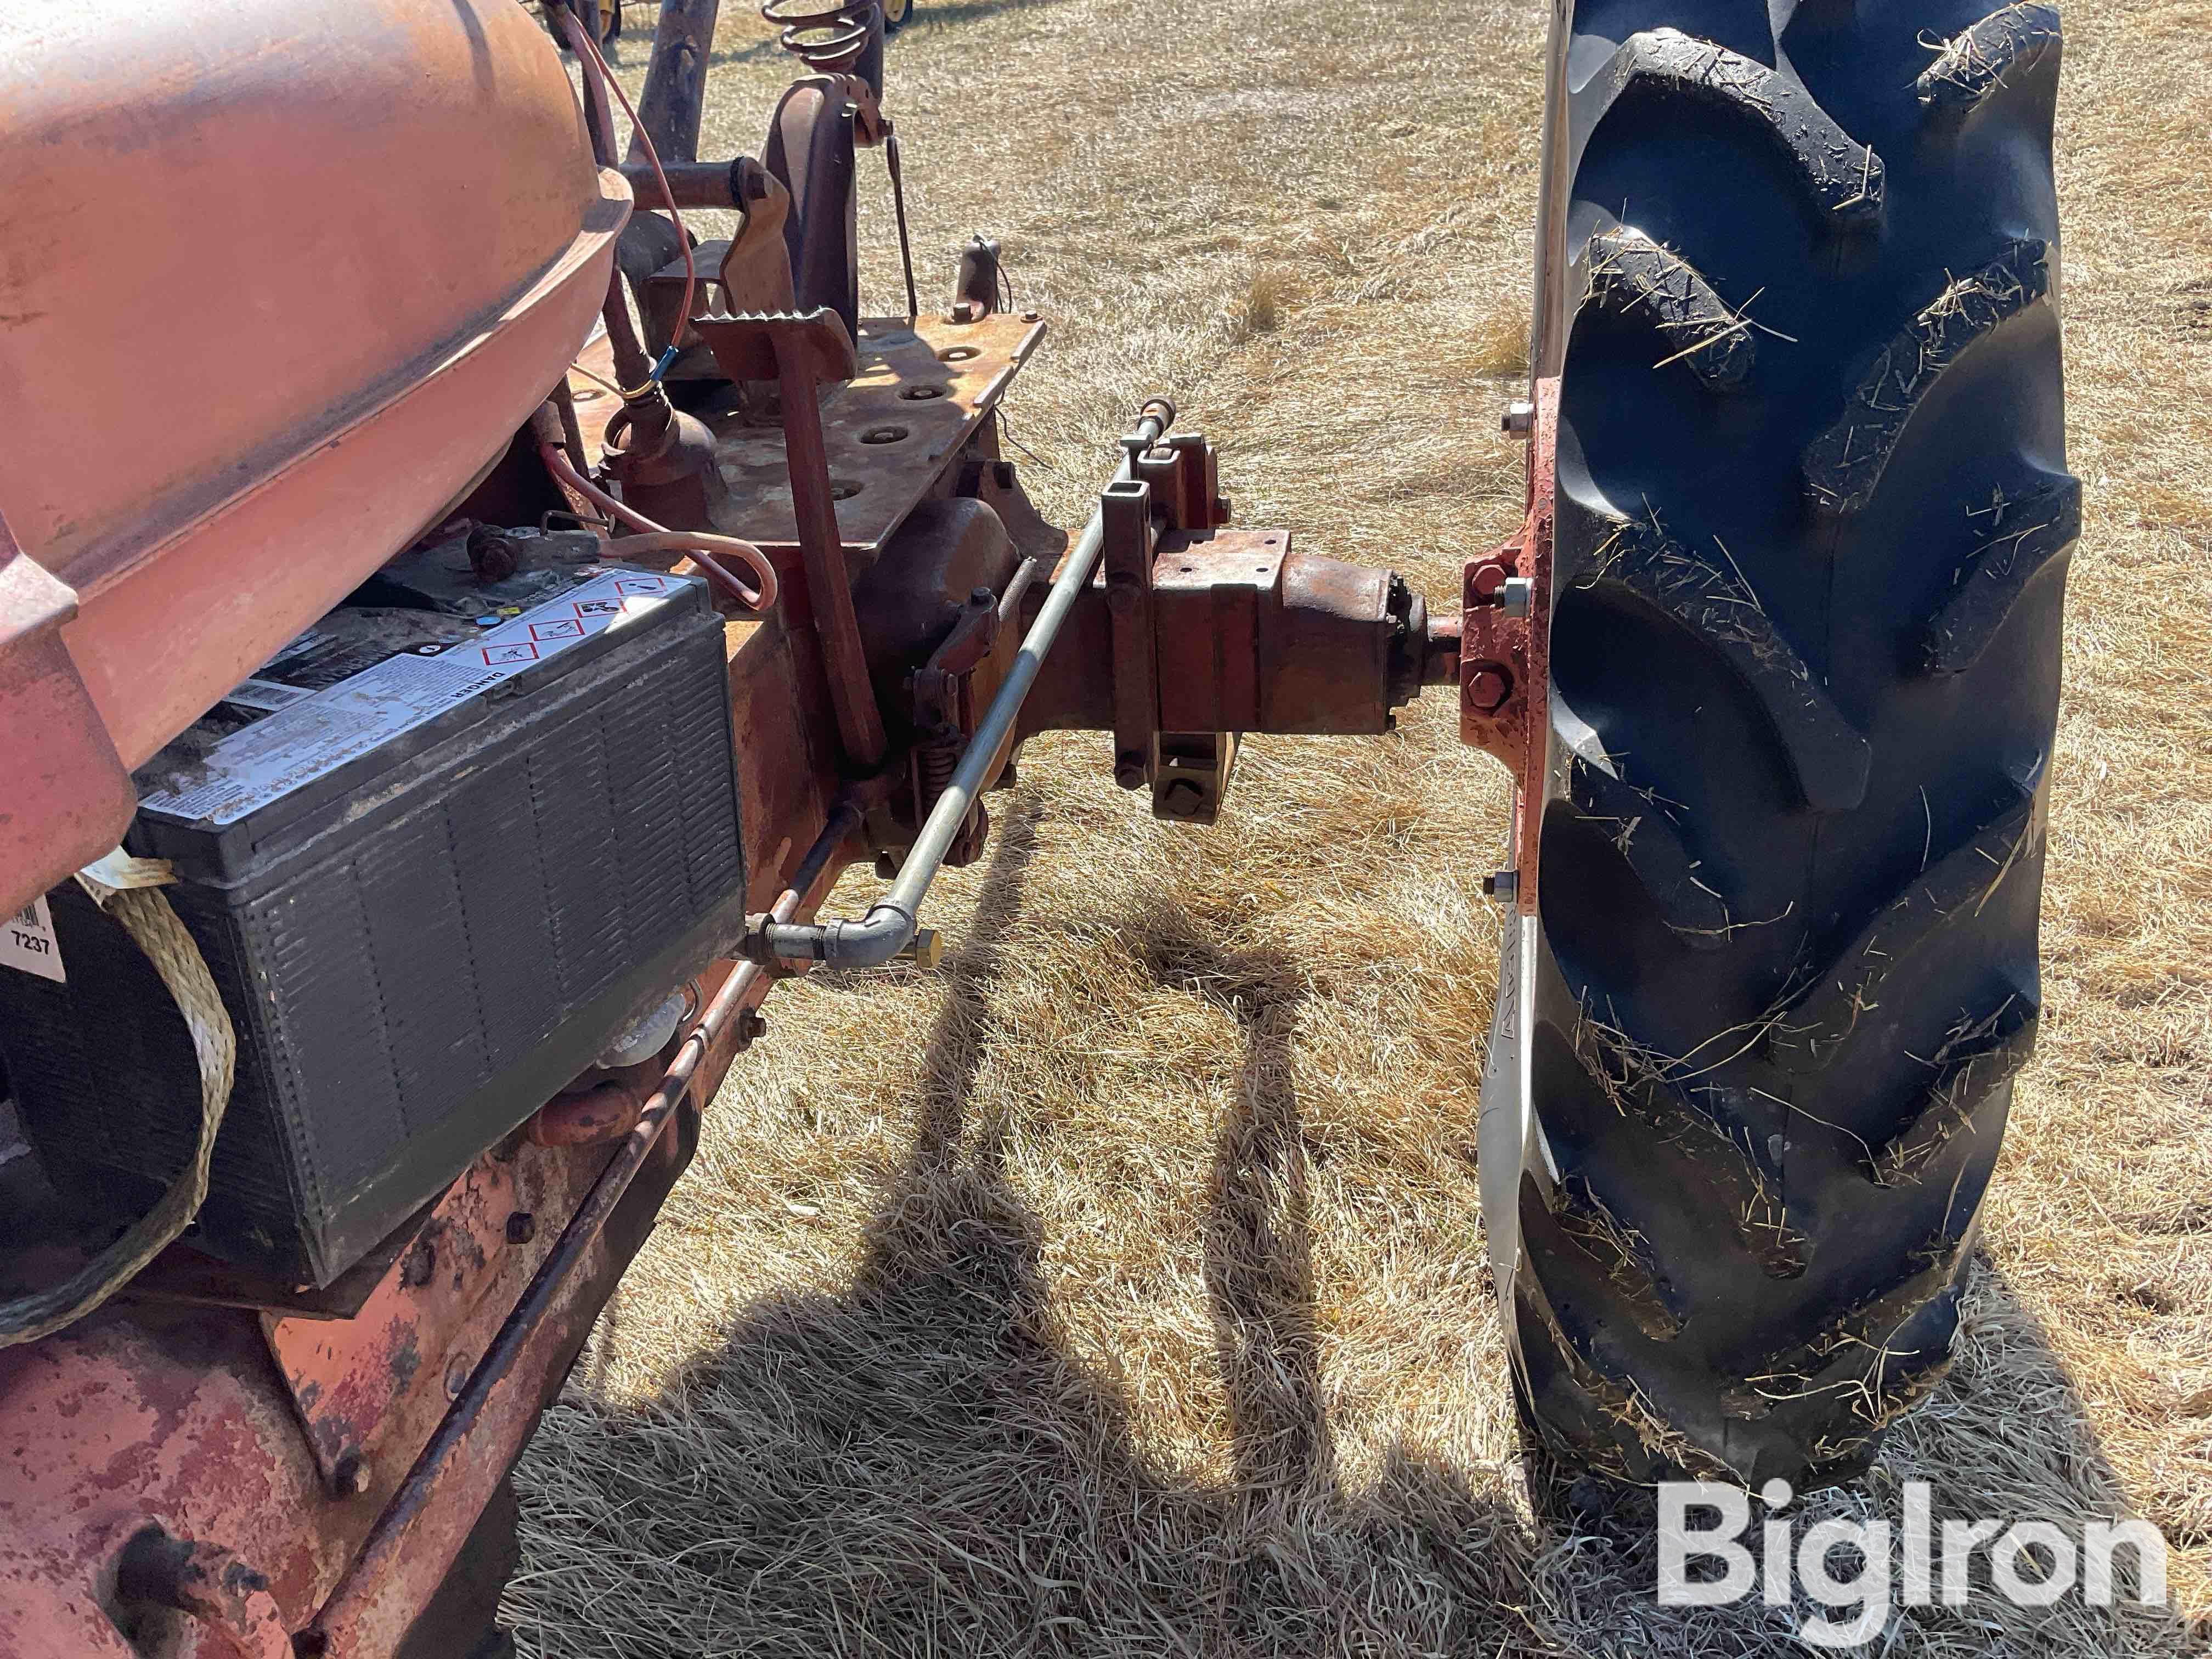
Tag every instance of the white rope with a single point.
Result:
(128, 889)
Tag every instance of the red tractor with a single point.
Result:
(421, 756)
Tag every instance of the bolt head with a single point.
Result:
(1518, 419)
(1487, 687)
(1488, 577)
(521, 1227)
(1129, 771)
(352, 1475)
(1122, 596)
(1504, 886)
(1183, 798)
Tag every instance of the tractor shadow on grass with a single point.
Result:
(922, 1463)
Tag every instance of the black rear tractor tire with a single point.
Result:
(1813, 525)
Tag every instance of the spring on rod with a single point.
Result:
(935, 759)
(828, 35)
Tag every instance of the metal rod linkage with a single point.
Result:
(889, 925)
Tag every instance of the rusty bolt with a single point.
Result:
(352, 1475)
(1518, 420)
(965, 311)
(521, 1227)
(1030, 316)
(752, 1026)
(1121, 594)
(457, 1376)
(420, 1263)
(1487, 579)
(1488, 686)
(1183, 798)
(491, 555)
(1129, 770)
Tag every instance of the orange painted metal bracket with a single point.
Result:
(67, 798)
(1504, 660)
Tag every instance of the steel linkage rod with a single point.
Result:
(890, 924)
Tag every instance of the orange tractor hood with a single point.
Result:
(278, 279)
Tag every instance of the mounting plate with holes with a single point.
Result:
(933, 383)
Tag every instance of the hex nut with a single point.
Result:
(1488, 685)
(1518, 420)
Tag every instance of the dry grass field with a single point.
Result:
(1118, 1288)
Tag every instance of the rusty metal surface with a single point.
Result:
(802, 352)
(352, 1379)
(225, 1599)
(1252, 637)
(151, 1415)
(183, 1275)
(1125, 567)
(419, 1531)
(601, 1106)
(934, 383)
(1504, 661)
(133, 246)
(168, 1416)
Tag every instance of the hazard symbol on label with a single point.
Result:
(598, 607)
(496, 655)
(641, 585)
(559, 629)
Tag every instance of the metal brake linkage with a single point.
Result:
(890, 924)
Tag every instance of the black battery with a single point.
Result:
(437, 864)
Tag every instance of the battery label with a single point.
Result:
(322, 730)
(27, 942)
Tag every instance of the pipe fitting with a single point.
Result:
(873, 941)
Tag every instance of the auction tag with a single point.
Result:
(27, 942)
